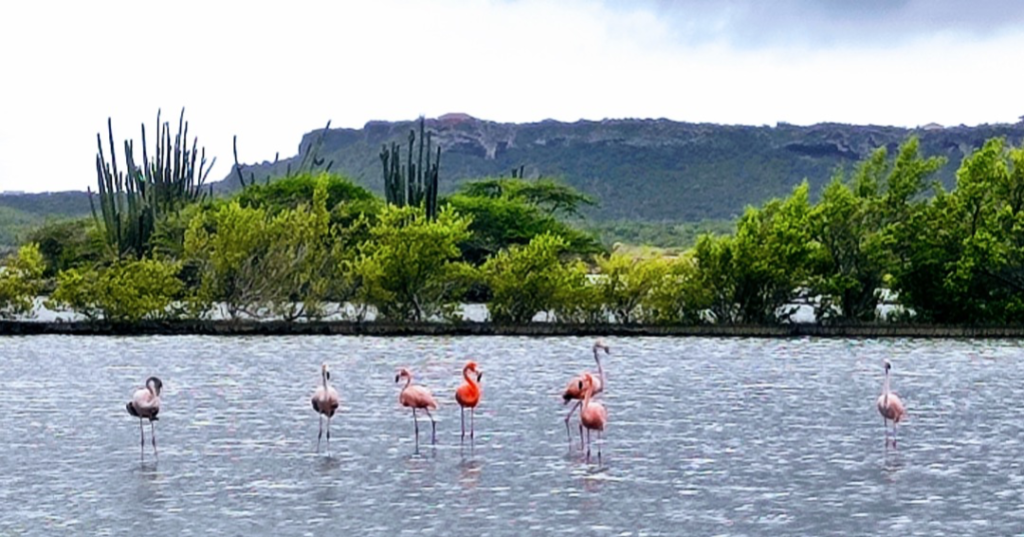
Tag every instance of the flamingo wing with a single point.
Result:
(417, 397)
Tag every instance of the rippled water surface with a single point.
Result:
(706, 437)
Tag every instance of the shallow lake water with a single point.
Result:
(706, 437)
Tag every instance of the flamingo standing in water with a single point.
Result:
(417, 397)
(573, 391)
(145, 404)
(468, 396)
(325, 401)
(890, 407)
(593, 415)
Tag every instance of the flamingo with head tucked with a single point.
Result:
(417, 398)
(890, 406)
(325, 402)
(468, 395)
(573, 391)
(145, 404)
(593, 415)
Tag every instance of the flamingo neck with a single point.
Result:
(885, 387)
(588, 390)
(408, 381)
(324, 376)
(600, 370)
(470, 380)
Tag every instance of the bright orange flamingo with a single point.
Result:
(145, 404)
(890, 407)
(468, 396)
(593, 415)
(574, 392)
(325, 401)
(417, 397)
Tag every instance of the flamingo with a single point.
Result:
(417, 397)
(468, 395)
(145, 404)
(574, 391)
(890, 407)
(593, 415)
(325, 401)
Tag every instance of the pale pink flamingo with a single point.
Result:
(145, 404)
(593, 415)
(417, 397)
(468, 395)
(325, 402)
(890, 407)
(574, 392)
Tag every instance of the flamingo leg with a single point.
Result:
(142, 442)
(320, 434)
(599, 442)
(568, 432)
(328, 435)
(152, 437)
(588, 444)
(894, 428)
(433, 426)
(472, 425)
(462, 414)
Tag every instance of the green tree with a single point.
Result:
(529, 279)
(753, 275)
(678, 296)
(67, 244)
(408, 269)
(21, 281)
(126, 291)
(961, 254)
(627, 282)
(260, 265)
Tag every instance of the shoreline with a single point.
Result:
(469, 328)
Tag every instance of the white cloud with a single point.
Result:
(270, 74)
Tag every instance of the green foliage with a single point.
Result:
(132, 202)
(626, 283)
(21, 281)
(307, 165)
(68, 244)
(678, 296)
(260, 264)
(529, 279)
(962, 254)
(550, 196)
(126, 291)
(408, 270)
(507, 212)
(756, 273)
(675, 236)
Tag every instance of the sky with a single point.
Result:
(270, 72)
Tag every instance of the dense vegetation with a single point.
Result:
(315, 244)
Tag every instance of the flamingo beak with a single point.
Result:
(397, 377)
(479, 375)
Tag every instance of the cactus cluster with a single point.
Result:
(131, 201)
(414, 183)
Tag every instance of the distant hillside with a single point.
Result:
(653, 170)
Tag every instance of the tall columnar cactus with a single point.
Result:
(132, 201)
(416, 182)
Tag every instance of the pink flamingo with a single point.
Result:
(417, 397)
(573, 391)
(890, 407)
(145, 404)
(593, 415)
(325, 401)
(468, 396)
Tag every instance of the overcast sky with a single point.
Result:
(270, 73)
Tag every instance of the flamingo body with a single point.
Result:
(145, 404)
(890, 406)
(325, 402)
(468, 396)
(593, 415)
(417, 398)
(574, 390)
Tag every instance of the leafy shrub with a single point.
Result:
(126, 291)
(20, 281)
